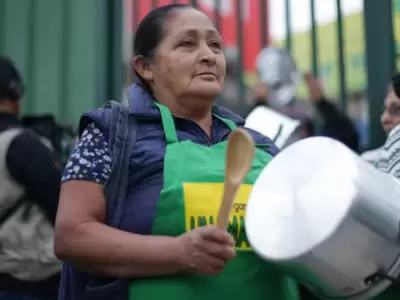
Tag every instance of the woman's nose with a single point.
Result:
(385, 119)
(208, 56)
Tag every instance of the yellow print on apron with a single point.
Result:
(202, 202)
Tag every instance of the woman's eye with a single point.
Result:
(215, 45)
(187, 43)
(393, 110)
(396, 110)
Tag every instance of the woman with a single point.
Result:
(390, 118)
(176, 172)
(389, 158)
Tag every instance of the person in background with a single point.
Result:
(276, 90)
(58, 137)
(336, 124)
(389, 158)
(260, 91)
(389, 155)
(29, 190)
(159, 242)
(358, 112)
(390, 118)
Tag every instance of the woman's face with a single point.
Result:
(391, 114)
(189, 62)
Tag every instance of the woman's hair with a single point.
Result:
(150, 34)
(396, 84)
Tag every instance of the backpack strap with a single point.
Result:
(6, 138)
(122, 138)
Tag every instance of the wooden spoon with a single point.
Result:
(239, 158)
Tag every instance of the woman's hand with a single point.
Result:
(261, 92)
(206, 250)
(314, 87)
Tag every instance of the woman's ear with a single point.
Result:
(142, 67)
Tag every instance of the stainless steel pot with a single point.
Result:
(330, 219)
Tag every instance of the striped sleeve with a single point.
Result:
(389, 161)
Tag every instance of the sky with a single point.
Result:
(301, 14)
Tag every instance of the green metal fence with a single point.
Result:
(380, 60)
(68, 51)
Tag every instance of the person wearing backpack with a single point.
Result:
(29, 190)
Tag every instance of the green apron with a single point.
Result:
(193, 186)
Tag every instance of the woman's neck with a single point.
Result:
(202, 116)
(196, 110)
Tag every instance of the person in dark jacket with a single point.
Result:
(335, 123)
(27, 171)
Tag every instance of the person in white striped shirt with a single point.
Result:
(389, 158)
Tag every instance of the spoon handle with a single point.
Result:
(228, 199)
